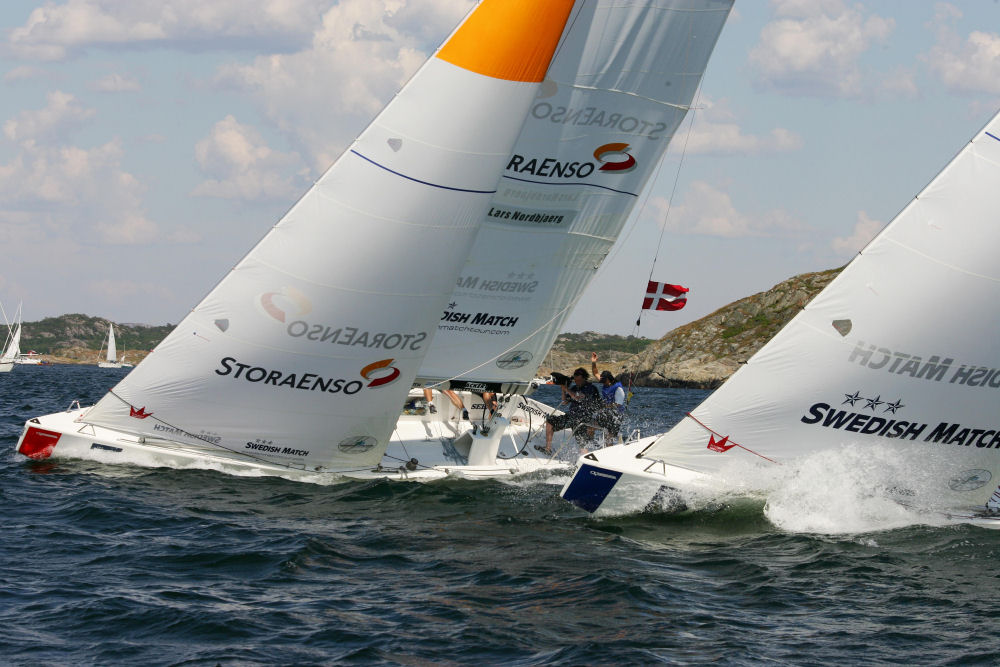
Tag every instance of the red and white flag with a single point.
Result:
(664, 296)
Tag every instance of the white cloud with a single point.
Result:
(58, 119)
(865, 230)
(83, 189)
(243, 166)
(814, 47)
(715, 131)
(56, 31)
(710, 211)
(116, 83)
(969, 65)
(369, 48)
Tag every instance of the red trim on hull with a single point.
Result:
(39, 443)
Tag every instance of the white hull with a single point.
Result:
(109, 364)
(424, 447)
(6, 366)
(613, 482)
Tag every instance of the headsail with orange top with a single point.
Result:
(328, 317)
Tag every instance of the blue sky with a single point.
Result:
(145, 146)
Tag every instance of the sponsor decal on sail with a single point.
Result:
(139, 413)
(511, 284)
(515, 359)
(357, 444)
(555, 168)
(264, 446)
(284, 304)
(380, 373)
(883, 423)
(531, 217)
(479, 322)
(288, 305)
(970, 480)
(593, 116)
(624, 163)
(719, 445)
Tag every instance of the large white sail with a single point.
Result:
(304, 353)
(13, 346)
(900, 348)
(112, 348)
(618, 88)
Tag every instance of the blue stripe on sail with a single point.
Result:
(990, 135)
(417, 180)
(591, 185)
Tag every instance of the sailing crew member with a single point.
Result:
(583, 399)
(455, 399)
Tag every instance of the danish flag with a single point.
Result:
(664, 296)
(138, 414)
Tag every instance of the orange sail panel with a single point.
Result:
(508, 39)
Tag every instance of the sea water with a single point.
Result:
(150, 566)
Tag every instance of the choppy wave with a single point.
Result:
(129, 565)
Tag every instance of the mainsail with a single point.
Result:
(13, 346)
(304, 353)
(616, 92)
(900, 348)
(112, 348)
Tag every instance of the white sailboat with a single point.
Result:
(898, 356)
(111, 355)
(298, 363)
(12, 347)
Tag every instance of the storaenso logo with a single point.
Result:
(551, 167)
(288, 305)
(230, 367)
(623, 164)
(284, 304)
(593, 116)
(378, 373)
(513, 360)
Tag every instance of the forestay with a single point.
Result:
(900, 348)
(619, 85)
(304, 353)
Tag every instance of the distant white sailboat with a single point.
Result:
(12, 348)
(898, 354)
(111, 357)
(12, 345)
(313, 354)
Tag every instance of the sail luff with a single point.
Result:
(303, 354)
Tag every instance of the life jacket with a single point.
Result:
(609, 395)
